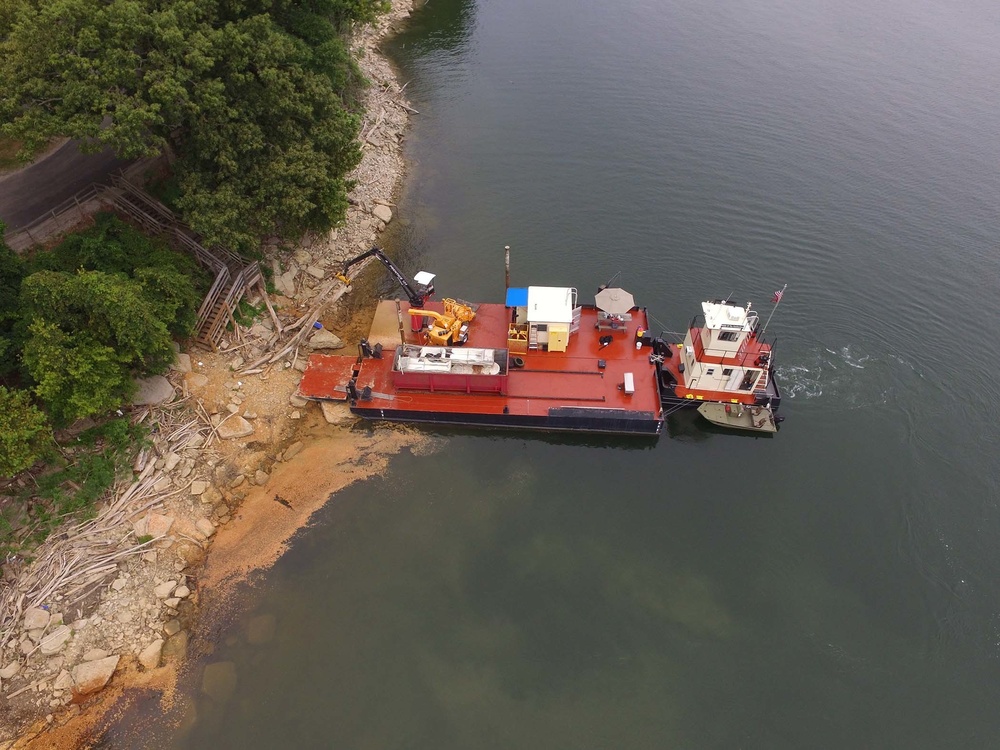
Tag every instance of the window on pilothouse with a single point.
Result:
(729, 335)
(710, 371)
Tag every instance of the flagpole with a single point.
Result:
(780, 295)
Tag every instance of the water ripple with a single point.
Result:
(854, 377)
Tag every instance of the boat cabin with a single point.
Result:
(722, 354)
(541, 318)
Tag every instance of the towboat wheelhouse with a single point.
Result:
(724, 361)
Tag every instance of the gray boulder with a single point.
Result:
(154, 390)
(323, 339)
(235, 427)
(382, 213)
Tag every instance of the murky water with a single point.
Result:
(836, 586)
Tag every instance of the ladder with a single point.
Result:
(532, 337)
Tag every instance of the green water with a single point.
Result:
(834, 587)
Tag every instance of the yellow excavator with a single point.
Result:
(451, 328)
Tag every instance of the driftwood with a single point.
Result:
(270, 308)
(302, 327)
(378, 123)
(70, 565)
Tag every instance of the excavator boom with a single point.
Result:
(417, 296)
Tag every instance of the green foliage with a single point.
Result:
(113, 246)
(245, 313)
(100, 456)
(167, 191)
(110, 309)
(24, 432)
(105, 454)
(75, 375)
(258, 98)
(172, 297)
(275, 164)
(119, 436)
(97, 310)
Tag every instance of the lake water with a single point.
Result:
(837, 586)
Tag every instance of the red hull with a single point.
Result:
(581, 389)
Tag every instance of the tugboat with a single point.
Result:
(545, 360)
(724, 367)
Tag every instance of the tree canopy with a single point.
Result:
(257, 98)
(96, 311)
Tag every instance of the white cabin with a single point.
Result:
(543, 318)
(715, 355)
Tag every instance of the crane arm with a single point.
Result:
(438, 318)
(417, 297)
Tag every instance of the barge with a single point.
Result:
(546, 360)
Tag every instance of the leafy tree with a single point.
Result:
(75, 374)
(111, 308)
(171, 296)
(257, 98)
(112, 246)
(169, 280)
(86, 317)
(24, 431)
(87, 335)
(284, 150)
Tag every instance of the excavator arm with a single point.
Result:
(417, 296)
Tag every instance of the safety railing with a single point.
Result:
(233, 275)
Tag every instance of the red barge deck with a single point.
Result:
(603, 382)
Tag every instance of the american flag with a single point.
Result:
(776, 298)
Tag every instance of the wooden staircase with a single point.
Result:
(233, 275)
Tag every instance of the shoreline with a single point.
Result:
(202, 515)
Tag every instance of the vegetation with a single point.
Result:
(246, 313)
(79, 322)
(9, 150)
(24, 432)
(11, 274)
(258, 103)
(256, 98)
(97, 311)
(80, 475)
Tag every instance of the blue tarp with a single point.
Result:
(517, 297)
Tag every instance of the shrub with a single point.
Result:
(24, 432)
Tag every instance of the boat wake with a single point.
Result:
(857, 379)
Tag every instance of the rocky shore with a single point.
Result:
(113, 603)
